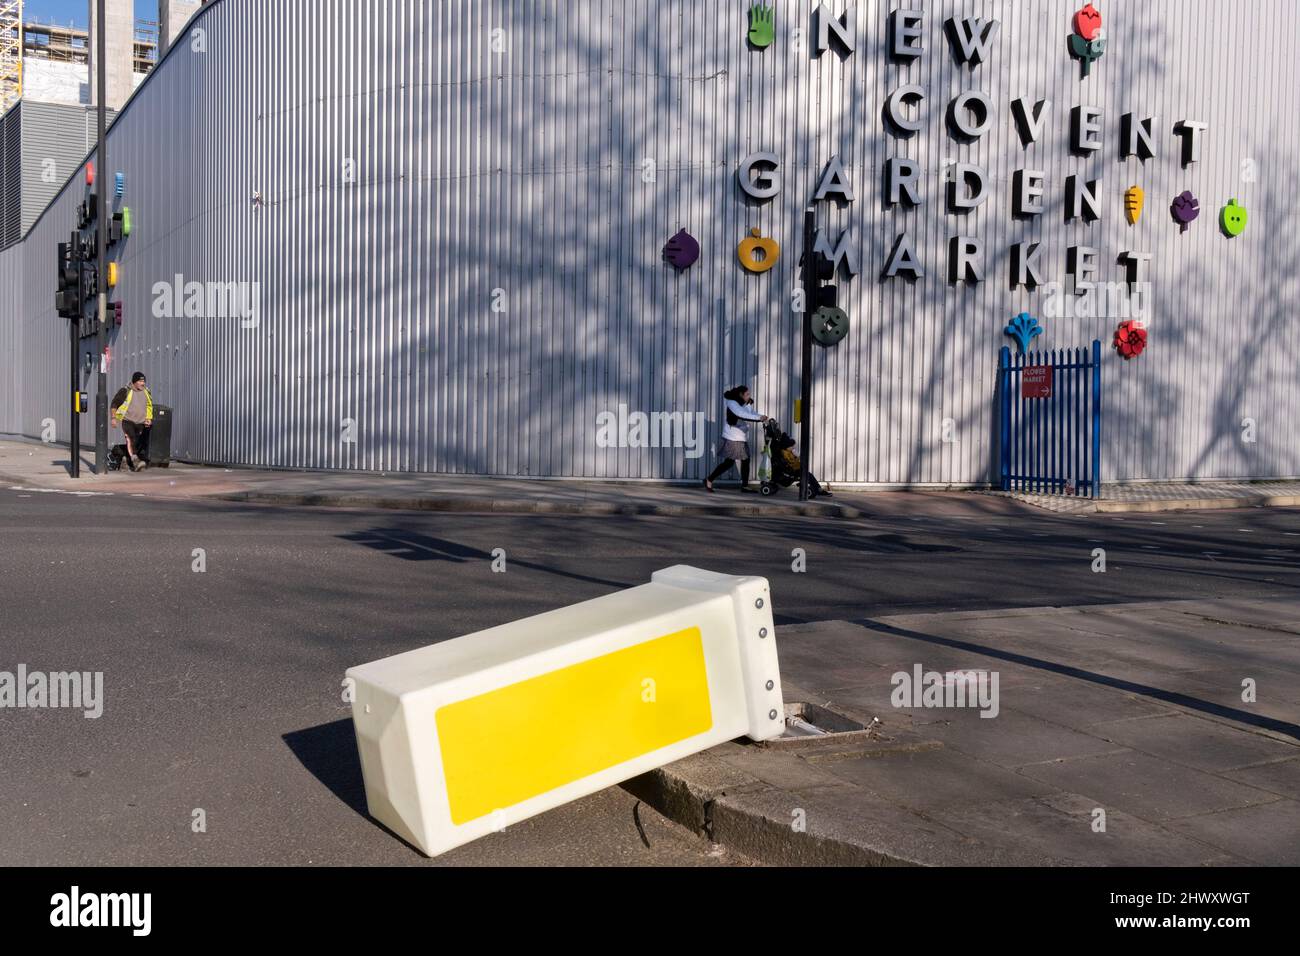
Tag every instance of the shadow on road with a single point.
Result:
(414, 546)
(329, 752)
(1066, 670)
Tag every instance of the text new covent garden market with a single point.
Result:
(970, 115)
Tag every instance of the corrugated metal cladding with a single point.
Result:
(56, 138)
(389, 172)
(41, 144)
(11, 176)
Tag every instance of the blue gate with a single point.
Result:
(1049, 415)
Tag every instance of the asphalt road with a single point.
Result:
(223, 687)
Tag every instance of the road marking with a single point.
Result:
(62, 491)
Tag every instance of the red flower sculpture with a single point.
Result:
(1130, 339)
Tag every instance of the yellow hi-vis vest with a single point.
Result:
(148, 407)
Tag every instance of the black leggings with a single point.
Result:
(725, 465)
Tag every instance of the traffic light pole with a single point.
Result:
(811, 287)
(101, 227)
(74, 384)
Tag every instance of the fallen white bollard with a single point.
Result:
(465, 737)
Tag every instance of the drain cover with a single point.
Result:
(812, 720)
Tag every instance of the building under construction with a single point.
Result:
(47, 95)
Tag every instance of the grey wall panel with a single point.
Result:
(11, 176)
(377, 170)
(55, 140)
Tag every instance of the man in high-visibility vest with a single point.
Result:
(133, 409)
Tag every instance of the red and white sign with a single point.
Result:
(1036, 381)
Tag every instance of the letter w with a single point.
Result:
(971, 37)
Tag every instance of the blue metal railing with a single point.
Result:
(1050, 421)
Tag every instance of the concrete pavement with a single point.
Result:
(1121, 739)
(46, 466)
(1169, 496)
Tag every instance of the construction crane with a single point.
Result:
(11, 53)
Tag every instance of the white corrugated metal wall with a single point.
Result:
(410, 162)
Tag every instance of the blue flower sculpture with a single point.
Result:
(1023, 328)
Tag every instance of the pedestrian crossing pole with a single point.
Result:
(101, 227)
(811, 293)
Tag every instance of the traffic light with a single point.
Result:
(827, 295)
(117, 314)
(823, 268)
(92, 208)
(65, 304)
(115, 228)
(820, 269)
(65, 295)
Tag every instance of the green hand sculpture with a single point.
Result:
(762, 25)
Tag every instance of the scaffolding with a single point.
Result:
(11, 53)
(146, 45)
(50, 41)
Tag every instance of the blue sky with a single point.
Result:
(75, 12)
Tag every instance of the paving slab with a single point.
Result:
(1011, 739)
(1066, 825)
(1279, 776)
(1194, 741)
(1151, 497)
(1183, 779)
(1149, 787)
(1266, 834)
(951, 779)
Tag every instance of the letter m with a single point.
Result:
(116, 909)
(65, 688)
(843, 254)
(223, 299)
(665, 429)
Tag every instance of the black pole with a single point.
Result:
(74, 383)
(101, 387)
(811, 285)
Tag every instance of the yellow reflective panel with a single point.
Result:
(513, 743)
